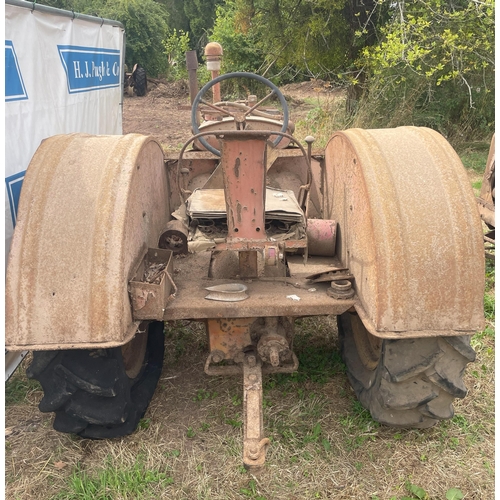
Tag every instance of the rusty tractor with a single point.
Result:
(246, 231)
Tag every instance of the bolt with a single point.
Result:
(254, 451)
(252, 360)
(216, 357)
(252, 377)
(274, 356)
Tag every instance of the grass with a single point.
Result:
(112, 481)
(474, 156)
(325, 116)
(19, 389)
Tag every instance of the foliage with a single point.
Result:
(195, 17)
(434, 67)
(285, 39)
(241, 52)
(177, 18)
(201, 15)
(176, 45)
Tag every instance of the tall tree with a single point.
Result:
(194, 17)
(297, 38)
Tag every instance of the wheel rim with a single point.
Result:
(368, 346)
(134, 352)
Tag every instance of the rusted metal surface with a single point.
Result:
(272, 346)
(244, 187)
(255, 444)
(192, 67)
(89, 208)
(232, 370)
(286, 169)
(408, 229)
(248, 266)
(213, 53)
(235, 340)
(265, 298)
(229, 336)
(226, 135)
(174, 237)
(152, 285)
(321, 235)
(341, 289)
(248, 342)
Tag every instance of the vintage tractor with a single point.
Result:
(247, 233)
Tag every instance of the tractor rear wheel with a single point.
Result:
(140, 82)
(404, 383)
(101, 393)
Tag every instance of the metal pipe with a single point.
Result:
(192, 67)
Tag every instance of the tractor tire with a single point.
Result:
(101, 393)
(404, 383)
(140, 82)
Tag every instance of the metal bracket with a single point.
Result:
(236, 369)
(254, 444)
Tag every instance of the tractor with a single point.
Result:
(246, 229)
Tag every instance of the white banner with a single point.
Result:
(62, 75)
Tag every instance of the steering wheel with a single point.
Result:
(239, 116)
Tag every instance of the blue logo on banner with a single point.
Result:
(14, 183)
(14, 85)
(90, 68)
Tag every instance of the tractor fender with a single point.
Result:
(408, 230)
(90, 207)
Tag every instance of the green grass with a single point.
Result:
(113, 482)
(181, 337)
(475, 158)
(18, 388)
